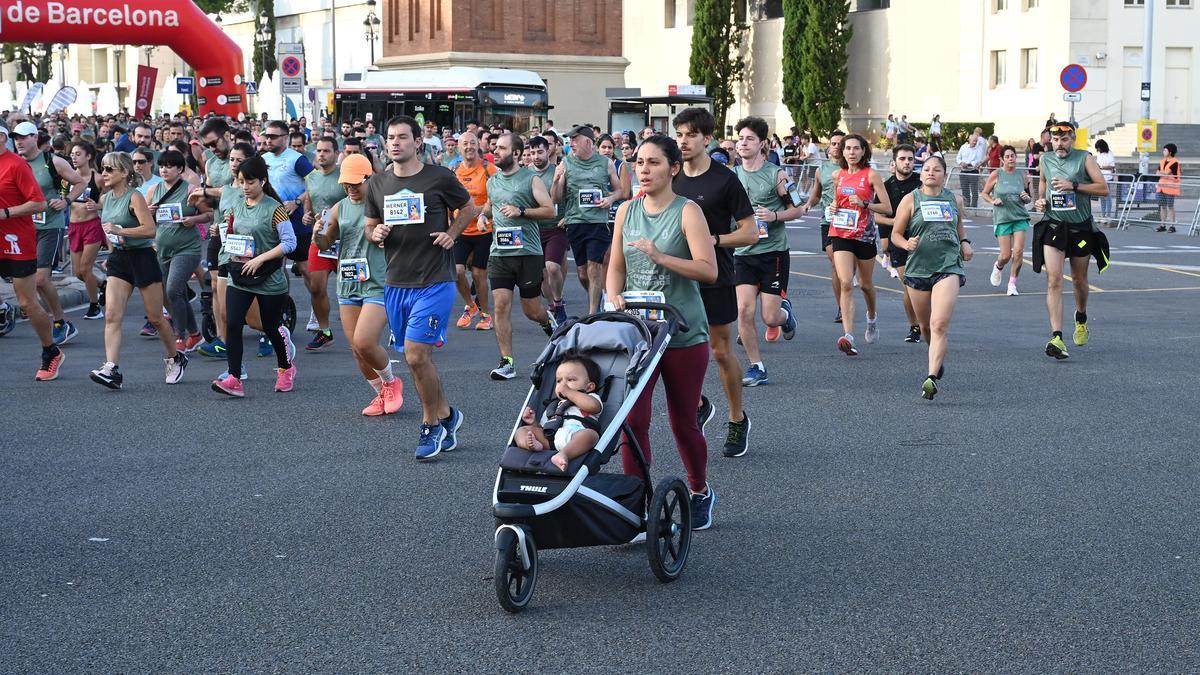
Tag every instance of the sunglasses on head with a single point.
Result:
(1062, 129)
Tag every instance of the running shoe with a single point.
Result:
(313, 324)
(1161, 228)
(485, 323)
(148, 330)
(838, 318)
(506, 370)
(872, 333)
(230, 386)
(929, 388)
(1081, 334)
(285, 380)
(755, 376)
(215, 349)
(191, 343)
(108, 375)
(287, 340)
(705, 413)
(1171, 229)
(846, 345)
(469, 314)
(93, 312)
(50, 365)
(771, 334)
(995, 277)
(892, 271)
(739, 340)
(64, 332)
(914, 334)
(322, 339)
(560, 312)
(430, 442)
(702, 508)
(450, 425)
(264, 347)
(737, 437)
(175, 367)
(789, 324)
(549, 326)
(245, 376)
(393, 396)
(1012, 289)
(375, 407)
(1056, 348)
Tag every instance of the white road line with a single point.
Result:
(1184, 268)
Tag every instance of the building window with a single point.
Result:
(1179, 3)
(764, 10)
(1031, 4)
(668, 13)
(999, 73)
(1135, 3)
(999, 5)
(691, 12)
(1029, 67)
(868, 5)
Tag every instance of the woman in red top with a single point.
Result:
(852, 233)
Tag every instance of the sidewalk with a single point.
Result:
(71, 291)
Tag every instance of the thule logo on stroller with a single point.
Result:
(540, 489)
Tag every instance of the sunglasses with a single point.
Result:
(108, 169)
(273, 136)
(1062, 129)
(141, 161)
(213, 145)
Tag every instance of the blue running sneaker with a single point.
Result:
(560, 312)
(451, 425)
(287, 340)
(755, 376)
(430, 444)
(264, 347)
(702, 508)
(245, 376)
(215, 349)
(789, 326)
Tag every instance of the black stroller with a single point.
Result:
(536, 504)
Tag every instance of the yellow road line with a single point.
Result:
(818, 276)
(1171, 269)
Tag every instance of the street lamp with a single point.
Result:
(62, 65)
(149, 52)
(371, 24)
(264, 37)
(118, 54)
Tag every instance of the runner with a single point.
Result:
(929, 226)
(408, 211)
(663, 245)
(61, 184)
(362, 266)
(762, 268)
(1068, 179)
(20, 198)
(177, 241)
(552, 232)
(288, 169)
(586, 183)
(898, 185)
(724, 202)
(822, 193)
(472, 247)
(517, 200)
(85, 234)
(1008, 191)
(322, 191)
(129, 226)
(258, 237)
(852, 233)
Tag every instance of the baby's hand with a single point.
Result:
(560, 460)
(527, 415)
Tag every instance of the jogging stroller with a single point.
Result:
(536, 504)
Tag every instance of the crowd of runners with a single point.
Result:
(412, 222)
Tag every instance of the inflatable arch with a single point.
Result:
(178, 24)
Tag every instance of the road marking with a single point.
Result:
(1169, 269)
(1186, 248)
(818, 276)
(1123, 263)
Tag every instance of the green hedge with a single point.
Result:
(954, 134)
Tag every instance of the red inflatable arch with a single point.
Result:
(178, 24)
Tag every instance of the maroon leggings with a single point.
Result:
(682, 373)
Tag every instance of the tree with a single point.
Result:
(33, 60)
(793, 61)
(222, 6)
(824, 53)
(717, 60)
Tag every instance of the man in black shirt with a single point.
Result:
(901, 182)
(721, 196)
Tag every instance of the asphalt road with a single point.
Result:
(1038, 516)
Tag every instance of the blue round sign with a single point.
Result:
(1073, 77)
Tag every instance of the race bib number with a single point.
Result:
(845, 219)
(404, 208)
(239, 246)
(354, 269)
(590, 199)
(39, 218)
(1062, 201)
(332, 253)
(169, 213)
(937, 212)
(762, 229)
(646, 296)
(115, 240)
(509, 238)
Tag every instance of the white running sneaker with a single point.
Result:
(1012, 289)
(995, 278)
(872, 333)
(312, 322)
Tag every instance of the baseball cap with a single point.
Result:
(355, 169)
(584, 131)
(25, 129)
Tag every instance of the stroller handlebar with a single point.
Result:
(675, 321)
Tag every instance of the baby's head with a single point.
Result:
(578, 373)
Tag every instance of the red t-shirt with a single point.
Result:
(852, 222)
(18, 239)
(993, 156)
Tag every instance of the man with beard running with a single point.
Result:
(554, 238)
(323, 189)
(723, 200)
(898, 185)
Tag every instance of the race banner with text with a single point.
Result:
(146, 77)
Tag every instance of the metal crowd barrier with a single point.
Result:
(1144, 205)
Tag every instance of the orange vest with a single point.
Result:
(475, 181)
(1168, 176)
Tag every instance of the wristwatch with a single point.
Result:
(522, 212)
(1074, 185)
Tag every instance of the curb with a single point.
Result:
(72, 294)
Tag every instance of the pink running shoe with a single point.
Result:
(375, 408)
(286, 378)
(230, 386)
(393, 396)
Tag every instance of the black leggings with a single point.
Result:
(270, 310)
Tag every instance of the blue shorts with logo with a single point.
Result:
(419, 314)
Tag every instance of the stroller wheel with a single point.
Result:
(669, 529)
(289, 313)
(514, 583)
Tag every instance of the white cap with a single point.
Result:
(25, 129)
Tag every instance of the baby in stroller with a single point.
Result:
(572, 426)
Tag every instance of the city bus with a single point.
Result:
(449, 97)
